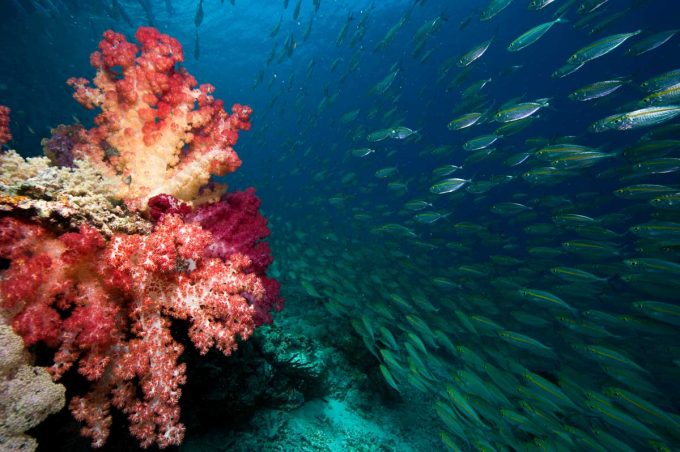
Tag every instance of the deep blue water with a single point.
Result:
(326, 207)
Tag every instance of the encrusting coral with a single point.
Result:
(64, 197)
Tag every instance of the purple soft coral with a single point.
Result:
(59, 147)
(237, 227)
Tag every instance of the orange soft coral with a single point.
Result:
(158, 131)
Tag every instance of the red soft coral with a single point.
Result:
(106, 306)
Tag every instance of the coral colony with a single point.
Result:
(118, 230)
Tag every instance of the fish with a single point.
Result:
(198, 17)
(589, 6)
(493, 8)
(465, 121)
(544, 298)
(389, 378)
(609, 356)
(600, 47)
(530, 37)
(526, 342)
(643, 191)
(580, 160)
(362, 152)
(296, 11)
(386, 82)
(657, 229)
(598, 90)
(343, 31)
(379, 135)
(663, 97)
(509, 208)
(567, 69)
(400, 133)
(481, 142)
(430, 217)
(520, 111)
(661, 81)
(536, 5)
(448, 185)
(651, 42)
(397, 229)
(475, 53)
(552, 152)
(385, 42)
(276, 28)
(620, 420)
(663, 312)
(445, 170)
(653, 265)
(662, 165)
(576, 275)
(666, 202)
(417, 204)
(644, 117)
(388, 171)
(147, 6)
(116, 6)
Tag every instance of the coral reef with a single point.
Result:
(64, 198)
(27, 394)
(99, 278)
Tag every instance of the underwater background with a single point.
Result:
(479, 249)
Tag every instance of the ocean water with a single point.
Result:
(533, 305)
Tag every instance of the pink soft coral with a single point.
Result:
(107, 306)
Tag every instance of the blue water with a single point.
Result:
(297, 155)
